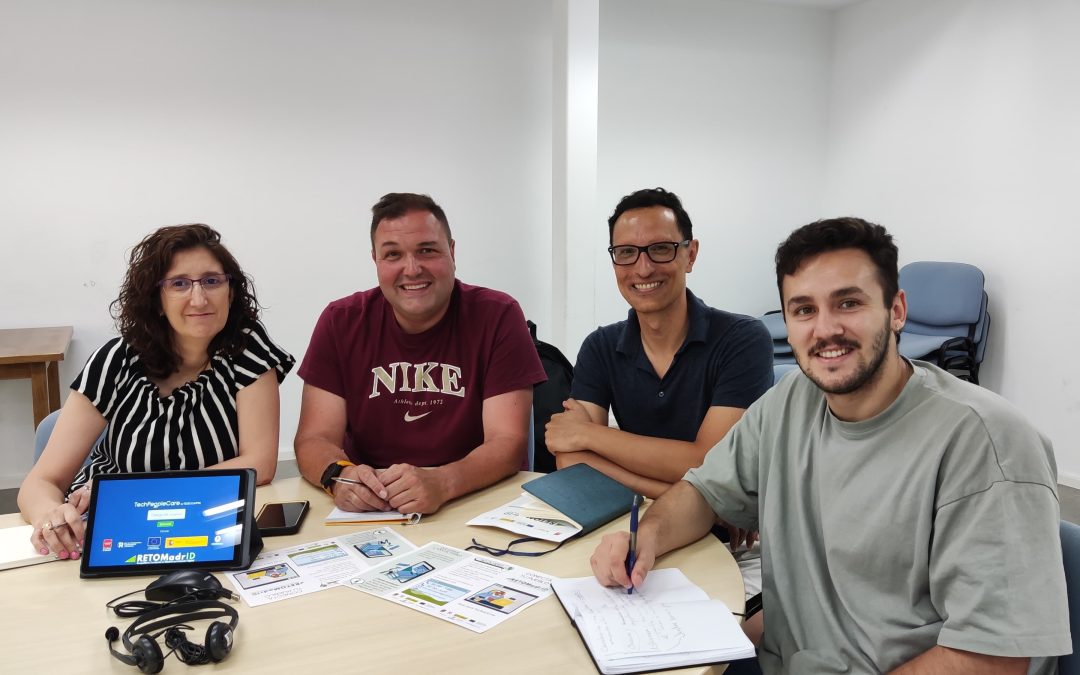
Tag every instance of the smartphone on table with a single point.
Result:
(277, 518)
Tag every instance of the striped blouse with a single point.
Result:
(192, 428)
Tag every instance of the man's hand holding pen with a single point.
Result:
(609, 561)
(632, 550)
(358, 488)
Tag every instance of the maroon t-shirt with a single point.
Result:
(419, 398)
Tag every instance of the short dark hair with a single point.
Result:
(397, 204)
(835, 234)
(138, 312)
(643, 199)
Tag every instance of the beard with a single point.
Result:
(865, 374)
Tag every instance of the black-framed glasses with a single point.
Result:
(658, 252)
(182, 285)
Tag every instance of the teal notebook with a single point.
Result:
(583, 494)
(579, 492)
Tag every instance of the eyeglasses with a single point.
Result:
(658, 252)
(182, 285)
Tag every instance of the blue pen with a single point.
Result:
(631, 555)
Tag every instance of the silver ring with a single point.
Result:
(47, 527)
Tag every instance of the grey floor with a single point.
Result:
(285, 469)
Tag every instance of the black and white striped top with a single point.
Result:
(192, 428)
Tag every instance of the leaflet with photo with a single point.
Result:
(531, 517)
(472, 591)
(315, 566)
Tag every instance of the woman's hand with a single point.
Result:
(80, 499)
(61, 532)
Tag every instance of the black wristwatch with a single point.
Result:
(333, 471)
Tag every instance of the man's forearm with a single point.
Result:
(946, 661)
(679, 517)
(488, 463)
(313, 455)
(643, 485)
(660, 459)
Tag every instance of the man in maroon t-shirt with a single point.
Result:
(420, 389)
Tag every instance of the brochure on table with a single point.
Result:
(531, 517)
(667, 623)
(469, 590)
(315, 566)
(340, 517)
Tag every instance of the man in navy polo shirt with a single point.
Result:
(677, 373)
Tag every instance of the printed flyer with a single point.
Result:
(308, 568)
(472, 591)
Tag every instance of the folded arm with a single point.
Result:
(583, 427)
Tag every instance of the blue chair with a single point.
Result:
(1070, 554)
(782, 352)
(782, 369)
(947, 321)
(783, 355)
(44, 431)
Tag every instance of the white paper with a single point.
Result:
(472, 591)
(16, 549)
(531, 517)
(666, 623)
(315, 566)
(340, 517)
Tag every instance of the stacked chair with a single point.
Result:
(947, 321)
(783, 356)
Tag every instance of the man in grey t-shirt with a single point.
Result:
(910, 519)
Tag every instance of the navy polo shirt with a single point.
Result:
(726, 360)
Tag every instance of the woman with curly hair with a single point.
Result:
(192, 382)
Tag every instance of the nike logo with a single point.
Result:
(409, 417)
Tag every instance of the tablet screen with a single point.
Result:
(146, 523)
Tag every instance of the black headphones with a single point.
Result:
(145, 653)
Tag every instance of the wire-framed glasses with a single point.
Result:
(182, 285)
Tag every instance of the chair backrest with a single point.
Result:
(774, 322)
(548, 398)
(781, 369)
(1070, 555)
(943, 298)
(44, 431)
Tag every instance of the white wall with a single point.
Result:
(724, 103)
(953, 123)
(279, 122)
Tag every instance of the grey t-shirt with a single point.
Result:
(935, 522)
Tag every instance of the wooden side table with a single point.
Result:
(35, 353)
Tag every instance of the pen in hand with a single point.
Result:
(350, 481)
(631, 555)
